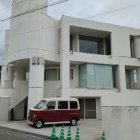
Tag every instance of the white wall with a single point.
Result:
(108, 97)
(119, 35)
(34, 34)
(16, 94)
(4, 108)
(121, 123)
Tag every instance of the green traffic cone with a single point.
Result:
(69, 134)
(103, 136)
(53, 135)
(62, 133)
(77, 137)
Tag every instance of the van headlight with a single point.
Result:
(34, 116)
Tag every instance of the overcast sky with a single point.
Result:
(83, 9)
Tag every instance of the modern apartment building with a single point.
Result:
(97, 63)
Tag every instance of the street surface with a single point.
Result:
(89, 130)
(8, 134)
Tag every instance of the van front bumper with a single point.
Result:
(29, 122)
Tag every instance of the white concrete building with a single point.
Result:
(97, 63)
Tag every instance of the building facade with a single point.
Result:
(97, 63)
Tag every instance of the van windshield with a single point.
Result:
(40, 104)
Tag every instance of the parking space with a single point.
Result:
(89, 129)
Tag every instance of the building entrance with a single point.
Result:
(88, 108)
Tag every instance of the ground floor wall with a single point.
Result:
(121, 122)
(4, 108)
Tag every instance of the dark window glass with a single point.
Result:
(73, 105)
(51, 105)
(58, 74)
(108, 45)
(62, 104)
(71, 74)
(91, 44)
(71, 43)
(132, 46)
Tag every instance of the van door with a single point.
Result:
(62, 113)
(49, 113)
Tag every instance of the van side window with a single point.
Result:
(51, 105)
(73, 105)
(62, 104)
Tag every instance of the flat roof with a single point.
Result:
(60, 98)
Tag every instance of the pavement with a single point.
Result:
(89, 129)
(12, 134)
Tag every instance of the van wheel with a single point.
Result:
(39, 123)
(73, 121)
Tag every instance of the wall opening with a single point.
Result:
(131, 78)
(90, 108)
(132, 46)
(98, 76)
(90, 41)
(19, 112)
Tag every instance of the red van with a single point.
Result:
(55, 110)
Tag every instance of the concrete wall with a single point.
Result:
(121, 123)
(51, 88)
(16, 94)
(119, 35)
(4, 108)
(34, 34)
(120, 46)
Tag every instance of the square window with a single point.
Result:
(73, 105)
(51, 105)
(62, 104)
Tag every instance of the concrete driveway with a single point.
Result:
(89, 129)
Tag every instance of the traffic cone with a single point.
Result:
(77, 137)
(69, 134)
(103, 136)
(62, 133)
(53, 135)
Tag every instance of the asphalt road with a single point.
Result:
(11, 134)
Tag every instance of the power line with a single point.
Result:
(33, 10)
(116, 10)
(76, 20)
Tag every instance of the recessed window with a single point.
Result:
(52, 74)
(132, 47)
(134, 76)
(71, 74)
(95, 76)
(89, 44)
(71, 43)
(131, 78)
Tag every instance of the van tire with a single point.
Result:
(39, 124)
(73, 122)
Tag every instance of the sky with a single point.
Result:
(126, 13)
